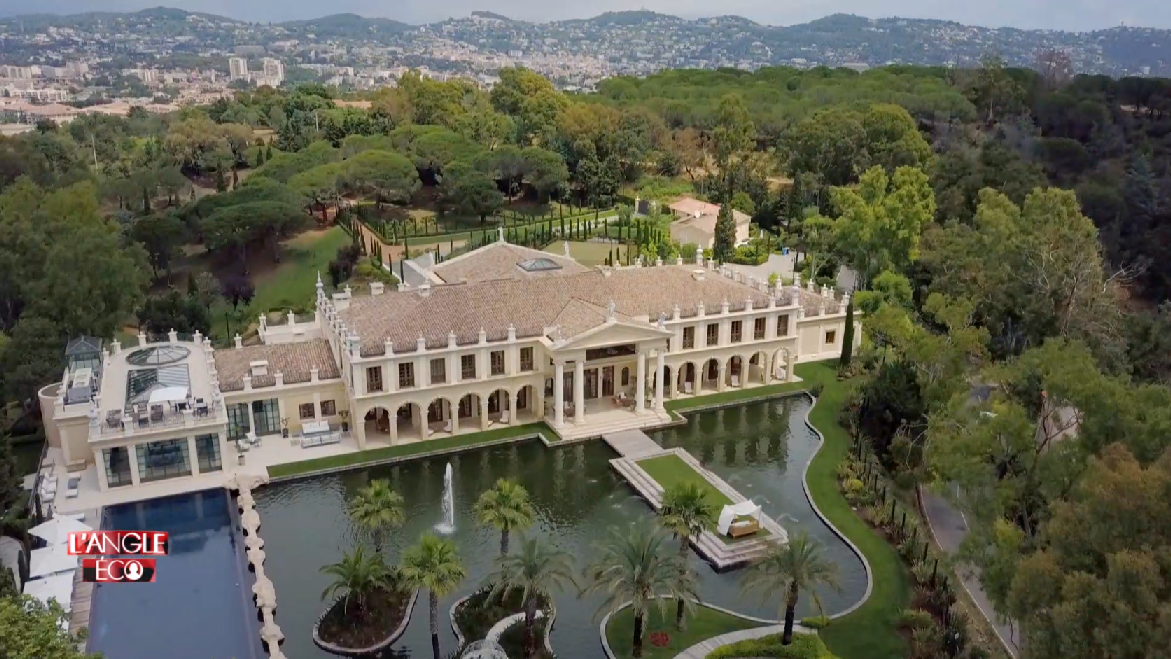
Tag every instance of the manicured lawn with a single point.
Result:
(589, 253)
(702, 623)
(869, 632)
(293, 282)
(671, 470)
(406, 450)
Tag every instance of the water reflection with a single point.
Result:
(577, 499)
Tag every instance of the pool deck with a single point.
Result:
(634, 445)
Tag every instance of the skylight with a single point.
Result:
(539, 265)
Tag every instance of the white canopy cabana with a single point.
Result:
(56, 531)
(50, 560)
(56, 587)
(168, 395)
(730, 513)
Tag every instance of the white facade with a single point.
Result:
(274, 71)
(238, 68)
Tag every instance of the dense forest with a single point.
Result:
(1006, 228)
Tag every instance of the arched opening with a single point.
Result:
(735, 375)
(668, 381)
(526, 404)
(468, 413)
(500, 407)
(711, 375)
(758, 368)
(688, 382)
(439, 417)
(378, 425)
(780, 365)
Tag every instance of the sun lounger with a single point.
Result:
(687, 387)
(447, 427)
(735, 380)
(74, 484)
(504, 416)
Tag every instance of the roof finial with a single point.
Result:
(500, 234)
(610, 309)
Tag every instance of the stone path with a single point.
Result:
(632, 443)
(703, 648)
(499, 628)
(263, 589)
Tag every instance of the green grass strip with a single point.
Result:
(869, 632)
(386, 453)
(671, 470)
(702, 623)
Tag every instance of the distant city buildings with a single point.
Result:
(274, 71)
(238, 68)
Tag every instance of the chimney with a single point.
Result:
(280, 379)
(388, 346)
(421, 344)
(511, 333)
(377, 288)
(314, 374)
(425, 290)
(451, 342)
(239, 341)
(483, 337)
(258, 368)
(697, 275)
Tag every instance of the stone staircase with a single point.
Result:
(596, 428)
(722, 555)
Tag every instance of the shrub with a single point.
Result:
(847, 468)
(923, 571)
(816, 622)
(804, 646)
(816, 389)
(659, 639)
(854, 491)
(912, 619)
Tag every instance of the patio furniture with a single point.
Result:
(739, 519)
(114, 418)
(447, 426)
(156, 413)
(504, 417)
(687, 387)
(735, 380)
(320, 439)
(201, 407)
(242, 446)
(74, 485)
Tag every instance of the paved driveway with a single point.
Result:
(949, 528)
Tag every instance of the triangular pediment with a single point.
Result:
(612, 333)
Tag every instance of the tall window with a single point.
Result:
(267, 414)
(328, 408)
(783, 325)
(163, 459)
(497, 358)
(713, 334)
(526, 359)
(737, 331)
(467, 367)
(406, 375)
(305, 411)
(831, 337)
(239, 421)
(758, 326)
(438, 370)
(117, 464)
(208, 448)
(688, 338)
(374, 378)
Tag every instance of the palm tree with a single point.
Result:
(687, 512)
(637, 568)
(377, 509)
(356, 576)
(432, 565)
(536, 571)
(791, 568)
(506, 506)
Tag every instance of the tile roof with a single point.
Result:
(294, 361)
(534, 305)
(501, 261)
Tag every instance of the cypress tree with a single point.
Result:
(848, 336)
(725, 239)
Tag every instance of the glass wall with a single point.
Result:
(238, 421)
(163, 459)
(267, 414)
(117, 465)
(208, 449)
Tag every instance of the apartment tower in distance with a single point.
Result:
(274, 71)
(238, 67)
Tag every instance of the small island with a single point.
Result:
(349, 629)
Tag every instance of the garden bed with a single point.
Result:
(476, 614)
(343, 633)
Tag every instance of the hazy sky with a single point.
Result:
(1054, 14)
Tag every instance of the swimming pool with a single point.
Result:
(200, 606)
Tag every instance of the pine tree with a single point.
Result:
(725, 239)
(848, 337)
(268, 153)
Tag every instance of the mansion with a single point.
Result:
(500, 336)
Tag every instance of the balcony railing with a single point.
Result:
(128, 423)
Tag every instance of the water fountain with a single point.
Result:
(447, 526)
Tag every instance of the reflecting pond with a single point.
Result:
(760, 448)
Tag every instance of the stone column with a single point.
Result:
(224, 445)
(317, 406)
(358, 425)
(514, 407)
(393, 427)
(660, 369)
(132, 452)
(193, 455)
(640, 385)
(579, 391)
(558, 394)
(251, 420)
(483, 407)
(721, 373)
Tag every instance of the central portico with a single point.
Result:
(606, 367)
